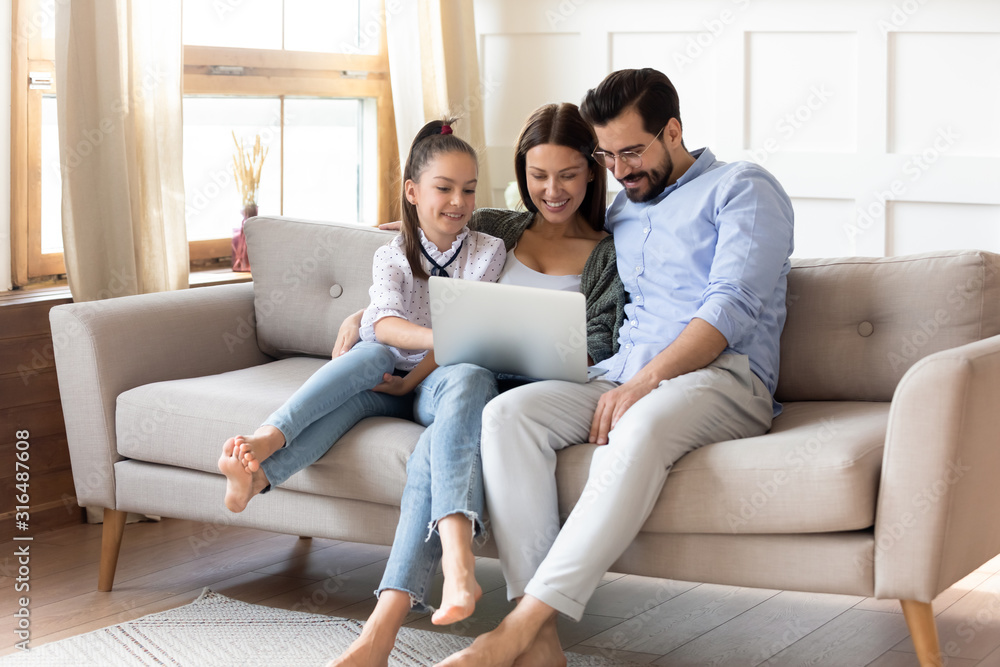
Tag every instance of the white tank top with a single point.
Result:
(516, 273)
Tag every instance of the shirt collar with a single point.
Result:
(703, 159)
(436, 254)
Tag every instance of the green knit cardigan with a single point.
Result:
(599, 282)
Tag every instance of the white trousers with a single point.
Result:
(522, 430)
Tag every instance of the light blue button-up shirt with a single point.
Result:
(714, 245)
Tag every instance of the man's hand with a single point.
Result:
(348, 335)
(613, 405)
(393, 226)
(393, 385)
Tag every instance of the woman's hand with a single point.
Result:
(348, 335)
(393, 226)
(393, 385)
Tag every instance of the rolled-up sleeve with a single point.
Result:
(755, 236)
(389, 285)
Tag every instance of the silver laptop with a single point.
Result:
(526, 331)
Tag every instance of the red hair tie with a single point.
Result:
(446, 129)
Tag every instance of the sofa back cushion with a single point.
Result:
(307, 278)
(855, 325)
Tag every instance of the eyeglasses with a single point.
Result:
(630, 158)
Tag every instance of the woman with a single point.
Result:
(558, 243)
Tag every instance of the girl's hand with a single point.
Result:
(391, 226)
(348, 335)
(393, 385)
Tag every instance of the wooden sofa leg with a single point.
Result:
(920, 620)
(111, 542)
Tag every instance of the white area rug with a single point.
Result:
(218, 631)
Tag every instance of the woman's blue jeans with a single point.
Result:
(444, 474)
(328, 405)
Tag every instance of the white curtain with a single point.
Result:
(434, 69)
(119, 78)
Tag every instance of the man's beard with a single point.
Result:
(657, 179)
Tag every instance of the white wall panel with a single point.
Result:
(518, 85)
(823, 227)
(691, 68)
(941, 80)
(922, 227)
(806, 101)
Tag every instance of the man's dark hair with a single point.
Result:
(648, 91)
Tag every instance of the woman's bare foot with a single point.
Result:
(241, 484)
(253, 449)
(461, 591)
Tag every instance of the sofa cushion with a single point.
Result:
(195, 417)
(816, 471)
(855, 325)
(307, 277)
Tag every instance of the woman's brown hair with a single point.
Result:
(562, 125)
(428, 144)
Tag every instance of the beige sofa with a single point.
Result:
(879, 479)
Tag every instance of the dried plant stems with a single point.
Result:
(246, 169)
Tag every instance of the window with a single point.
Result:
(309, 76)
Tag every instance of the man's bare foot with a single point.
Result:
(512, 638)
(253, 449)
(461, 592)
(241, 484)
(545, 651)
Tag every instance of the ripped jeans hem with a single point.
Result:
(478, 527)
(416, 604)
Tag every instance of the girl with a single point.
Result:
(439, 193)
(557, 243)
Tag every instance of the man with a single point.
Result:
(703, 251)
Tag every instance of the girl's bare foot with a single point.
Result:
(373, 647)
(241, 484)
(253, 449)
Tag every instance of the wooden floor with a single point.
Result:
(652, 621)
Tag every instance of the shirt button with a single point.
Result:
(638, 299)
(635, 323)
(638, 269)
(628, 346)
(645, 230)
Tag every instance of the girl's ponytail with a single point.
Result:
(433, 139)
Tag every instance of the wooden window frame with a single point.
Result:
(266, 73)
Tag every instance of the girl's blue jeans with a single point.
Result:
(443, 474)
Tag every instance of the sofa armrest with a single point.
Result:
(103, 348)
(936, 520)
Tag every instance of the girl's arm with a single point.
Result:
(399, 386)
(403, 334)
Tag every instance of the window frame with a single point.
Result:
(266, 73)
